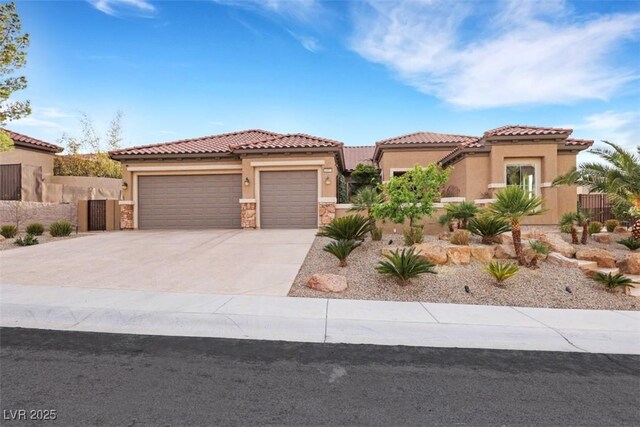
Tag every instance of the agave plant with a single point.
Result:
(613, 281)
(341, 249)
(630, 243)
(364, 200)
(405, 265)
(461, 212)
(488, 227)
(501, 271)
(540, 250)
(352, 227)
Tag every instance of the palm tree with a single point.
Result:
(573, 219)
(364, 200)
(513, 204)
(618, 176)
(462, 211)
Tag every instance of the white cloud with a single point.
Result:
(308, 42)
(34, 122)
(527, 53)
(622, 128)
(54, 113)
(116, 7)
(299, 9)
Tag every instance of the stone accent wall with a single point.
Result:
(126, 217)
(44, 213)
(248, 215)
(326, 212)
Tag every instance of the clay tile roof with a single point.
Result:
(29, 142)
(523, 130)
(204, 145)
(465, 146)
(294, 140)
(579, 142)
(353, 155)
(427, 138)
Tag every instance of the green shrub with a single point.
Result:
(612, 281)
(594, 227)
(501, 271)
(462, 212)
(611, 225)
(341, 249)
(413, 235)
(565, 228)
(27, 240)
(540, 250)
(404, 265)
(488, 227)
(352, 227)
(35, 229)
(8, 231)
(630, 243)
(460, 237)
(376, 234)
(60, 228)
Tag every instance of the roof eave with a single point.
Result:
(452, 158)
(169, 156)
(31, 146)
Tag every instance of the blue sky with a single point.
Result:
(352, 71)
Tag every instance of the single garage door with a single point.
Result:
(189, 201)
(289, 199)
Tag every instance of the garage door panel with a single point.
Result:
(289, 199)
(189, 201)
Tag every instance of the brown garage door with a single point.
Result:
(289, 199)
(189, 201)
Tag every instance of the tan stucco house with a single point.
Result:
(247, 179)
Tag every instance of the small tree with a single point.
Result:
(19, 212)
(411, 195)
(364, 176)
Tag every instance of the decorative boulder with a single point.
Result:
(505, 251)
(458, 255)
(444, 236)
(602, 237)
(557, 244)
(482, 254)
(327, 283)
(630, 264)
(561, 260)
(434, 253)
(603, 257)
(620, 229)
(1, 237)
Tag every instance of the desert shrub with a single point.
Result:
(352, 227)
(35, 229)
(595, 227)
(630, 243)
(488, 227)
(341, 249)
(460, 237)
(60, 228)
(405, 265)
(501, 271)
(611, 225)
(8, 231)
(376, 234)
(413, 235)
(27, 240)
(612, 281)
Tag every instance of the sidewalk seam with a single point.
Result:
(553, 329)
(428, 312)
(326, 320)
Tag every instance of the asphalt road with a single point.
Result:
(108, 379)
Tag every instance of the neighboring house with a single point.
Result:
(353, 156)
(247, 179)
(528, 156)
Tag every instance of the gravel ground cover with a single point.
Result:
(543, 287)
(8, 244)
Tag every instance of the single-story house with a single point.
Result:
(247, 179)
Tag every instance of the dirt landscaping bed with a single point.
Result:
(543, 287)
(8, 244)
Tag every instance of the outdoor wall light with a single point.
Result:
(246, 182)
(327, 181)
(124, 185)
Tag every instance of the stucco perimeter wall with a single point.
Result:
(430, 224)
(71, 189)
(29, 157)
(44, 213)
(403, 159)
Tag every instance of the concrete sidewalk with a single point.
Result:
(319, 320)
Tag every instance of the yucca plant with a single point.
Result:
(594, 227)
(501, 271)
(405, 265)
(341, 249)
(364, 200)
(613, 281)
(630, 243)
(611, 225)
(540, 250)
(352, 227)
(461, 212)
(488, 227)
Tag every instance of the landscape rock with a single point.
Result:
(1, 237)
(458, 255)
(603, 257)
(434, 253)
(620, 229)
(553, 240)
(482, 254)
(630, 264)
(388, 249)
(602, 237)
(327, 283)
(444, 236)
(561, 260)
(505, 251)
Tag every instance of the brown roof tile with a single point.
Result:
(523, 130)
(27, 141)
(428, 138)
(353, 155)
(204, 145)
(294, 140)
(580, 142)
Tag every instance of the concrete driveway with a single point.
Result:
(250, 262)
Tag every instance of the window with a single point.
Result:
(523, 176)
(399, 173)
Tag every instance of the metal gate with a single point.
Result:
(597, 206)
(97, 212)
(10, 182)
